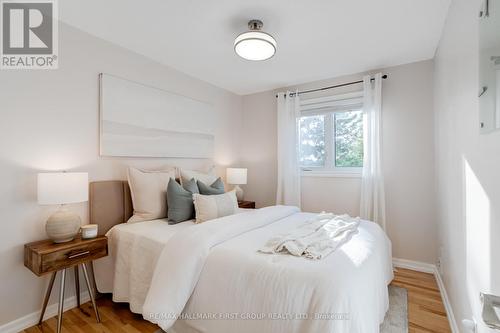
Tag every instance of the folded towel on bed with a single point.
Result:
(317, 238)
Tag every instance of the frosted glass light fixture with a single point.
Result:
(255, 44)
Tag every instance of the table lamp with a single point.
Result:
(237, 176)
(61, 188)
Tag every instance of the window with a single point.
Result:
(312, 141)
(331, 138)
(348, 139)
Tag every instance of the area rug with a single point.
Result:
(396, 319)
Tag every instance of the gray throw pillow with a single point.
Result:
(191, 186)
(217, 187)
(180, 201)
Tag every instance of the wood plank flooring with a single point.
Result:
(426, 311)
(115, 317)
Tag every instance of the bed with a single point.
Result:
(209, 277)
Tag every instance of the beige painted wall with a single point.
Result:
(468, 166)
(258, 148)
(50, 122)
(408, 149)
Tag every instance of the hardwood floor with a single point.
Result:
(426, 313)
(115, 317)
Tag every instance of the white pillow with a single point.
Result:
(205, 177)
(149, 193)
(209, 207)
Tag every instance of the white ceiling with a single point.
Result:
(317, 39)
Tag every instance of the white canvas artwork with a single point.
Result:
(142, 121)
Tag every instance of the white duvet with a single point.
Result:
(134, 249)
(212, 276)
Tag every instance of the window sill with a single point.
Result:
(331, 174)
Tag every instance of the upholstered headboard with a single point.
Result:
(109, 203)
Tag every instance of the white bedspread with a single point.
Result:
(213, 274)
(134, 249)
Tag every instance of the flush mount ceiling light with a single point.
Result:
(255, 44)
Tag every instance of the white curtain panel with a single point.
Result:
(288, 191)
(497, 114)
(372, 205)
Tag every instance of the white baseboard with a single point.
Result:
(51, 311)
(446, 302)
(432, 269)
(414, 265)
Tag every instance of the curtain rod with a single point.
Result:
(385, 76)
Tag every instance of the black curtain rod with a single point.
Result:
(332, 87)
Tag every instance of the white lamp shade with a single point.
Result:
(59, 188)
(236, 176)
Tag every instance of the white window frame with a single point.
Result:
(327, 106)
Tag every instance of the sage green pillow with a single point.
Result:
(191, 186)
(180, 201)
(217, 187)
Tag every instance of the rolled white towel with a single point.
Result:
(317, 238)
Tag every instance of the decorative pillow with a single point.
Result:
(218, 184)
(149, 193)
(180, 201)
(191, 186)
(217, 187)
(209, 207)
(208, 177)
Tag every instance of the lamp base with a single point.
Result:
(63, 226)
(239, 192)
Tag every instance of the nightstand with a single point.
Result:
(46, 257)
(246, 204)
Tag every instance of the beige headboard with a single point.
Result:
(109, 203)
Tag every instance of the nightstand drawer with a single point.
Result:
(246, 204)
(44, 257)
(70, 257)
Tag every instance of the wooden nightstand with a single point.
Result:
(45, 257)
(246, 204)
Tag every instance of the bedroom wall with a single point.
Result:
(468, 167)
(50, 122)
(408, 150)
